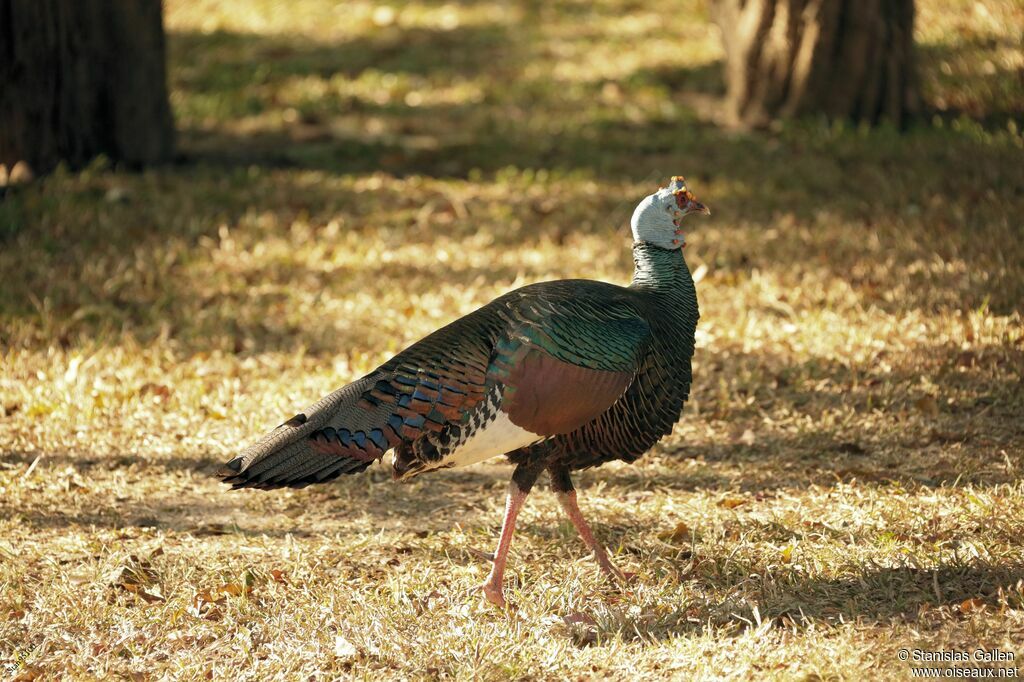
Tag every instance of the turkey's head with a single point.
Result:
(658, 217)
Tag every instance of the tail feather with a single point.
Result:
(337, 469)
(294, 456)
(435, 382)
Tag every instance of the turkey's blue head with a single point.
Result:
(658, 217)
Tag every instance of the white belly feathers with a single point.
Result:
(495, 438)
(489, 433)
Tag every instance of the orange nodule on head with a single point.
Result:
(685, 199)
(677, 184)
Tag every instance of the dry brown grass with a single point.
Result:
(845, 483)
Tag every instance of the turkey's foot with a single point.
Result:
(620, 577)
(610, 570)
(494, 593)
(567, 498)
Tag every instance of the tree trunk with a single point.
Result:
(80, 78)
(848, 59)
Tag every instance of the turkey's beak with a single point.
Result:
(694, 206)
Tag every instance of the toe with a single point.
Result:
(613, 573)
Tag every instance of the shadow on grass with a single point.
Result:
(538, 122)
(882, 594)
(990, 97)
(869, 596)
(222, 62)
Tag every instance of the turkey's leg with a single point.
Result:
(518, 489)
(566, 494)
(492, 587)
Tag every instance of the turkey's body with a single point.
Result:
(445, 402)
(558, 376)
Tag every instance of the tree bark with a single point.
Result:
(849, 59)
(80, 78)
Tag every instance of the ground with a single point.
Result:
(846, 481)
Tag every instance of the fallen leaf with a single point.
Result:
(787, 554)
(204, 605)
(731, 502)
(150, 597)
(204, 600)
(232, 589)
(278, 577)
(678, 534)
(975, 604)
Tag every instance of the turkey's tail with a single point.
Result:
(311, 447)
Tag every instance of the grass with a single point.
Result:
(846, 481)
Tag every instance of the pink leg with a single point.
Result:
(572, 510)
(492, 587)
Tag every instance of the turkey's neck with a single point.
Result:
(661, 270)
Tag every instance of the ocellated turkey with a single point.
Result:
(557, 376)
